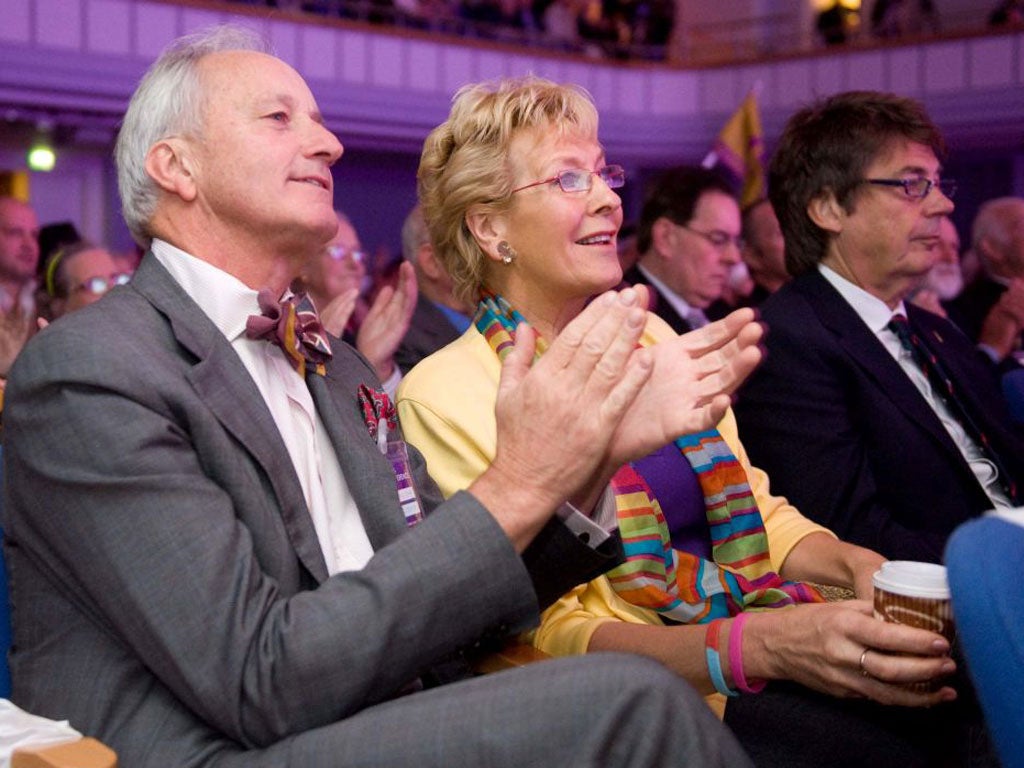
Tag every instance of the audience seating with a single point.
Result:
(83, 753)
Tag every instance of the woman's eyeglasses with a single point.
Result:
(717, 237)
(578, 180)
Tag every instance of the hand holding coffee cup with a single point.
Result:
(916, 595)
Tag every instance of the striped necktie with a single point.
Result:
(943, 384)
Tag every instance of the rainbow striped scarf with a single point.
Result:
(680, 586)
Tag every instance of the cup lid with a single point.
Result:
(913, 579)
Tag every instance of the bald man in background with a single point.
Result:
(439, 317)
(991, 309)
(19, 257)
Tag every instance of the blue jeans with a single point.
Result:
(985, 558)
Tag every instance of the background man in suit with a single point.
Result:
(335, 279)
(764, 250)
(844, 418)
(439, 317)
(991, 308)
(340, 268)
(944, 281)
(688, 238)
(209, 559)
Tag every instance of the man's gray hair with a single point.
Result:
(168, 102)
(995, 220)
(414, 234)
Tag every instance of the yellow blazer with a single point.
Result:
(446, 406)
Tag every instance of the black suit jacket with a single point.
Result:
(970, 308)
(844, 433)
(429, 330)
(661, 306)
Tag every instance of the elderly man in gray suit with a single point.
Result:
(209, 560)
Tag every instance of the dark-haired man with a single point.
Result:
(688, 238)
(852, 414)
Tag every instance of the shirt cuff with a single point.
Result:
(592, 531)
(990, 353)
(391, 385)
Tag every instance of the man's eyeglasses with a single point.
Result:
(917, 188)
(716, 237)
(98, 286)
(578, 180)
(339, 252)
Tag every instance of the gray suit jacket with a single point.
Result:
(429, 330)
(169, 593)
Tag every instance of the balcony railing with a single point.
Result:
(641, 38)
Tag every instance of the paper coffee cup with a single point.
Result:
(917, 595)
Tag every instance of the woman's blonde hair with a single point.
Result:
(465, 161)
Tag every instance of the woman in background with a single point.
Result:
(76, 275)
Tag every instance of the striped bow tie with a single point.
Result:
(293, 325)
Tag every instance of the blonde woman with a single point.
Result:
(522, 210)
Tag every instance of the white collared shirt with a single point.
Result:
(228, 303)
(24, 297)
(876, 315)
(694, 316)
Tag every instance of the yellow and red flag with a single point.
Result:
(740, 147)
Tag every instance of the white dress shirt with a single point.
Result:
(24, 297)
(228, 303)
(876, 315)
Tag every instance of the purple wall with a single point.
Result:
(376, 190)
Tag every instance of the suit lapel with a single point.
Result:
(220, 379)
(367, 472)
(662, 307)
(861, 344)
(971, 374)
